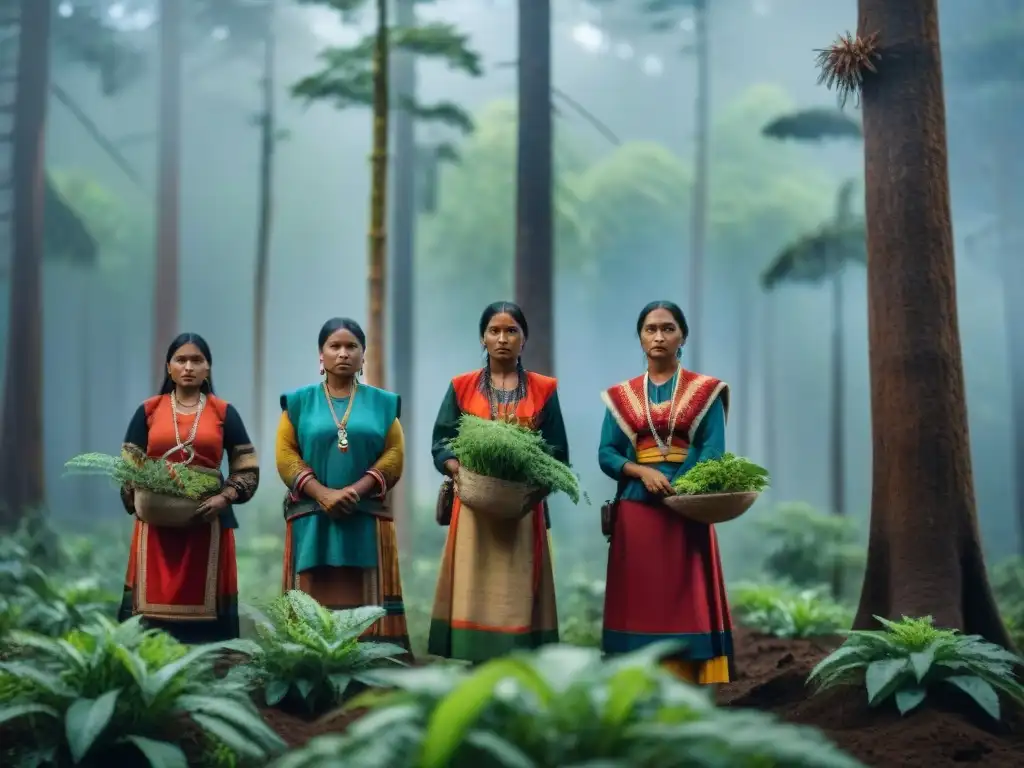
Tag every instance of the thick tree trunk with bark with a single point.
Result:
(535, 241)
(165, 283)
(924, 554)
(268, 128)
(22, 479)
(378, 254)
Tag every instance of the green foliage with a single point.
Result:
(106, 690)
(804, 545)
(1007, 580)
(509, 452)
(814, 124)
(346, 77)
(559, 707)
(582, 612)
(781, 610)
(156, 475)
(34, 602)
(308, 655)
(909, 658)
(728, 474)
(816, 257)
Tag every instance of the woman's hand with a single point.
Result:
(340, 501)
(451, 467)
(209, 510)
(655, 482)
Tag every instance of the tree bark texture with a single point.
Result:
(22, 477)
(535, 242)
(377, 261)
(403, 249)
(924, 553)
(268, 140)
(165, 283)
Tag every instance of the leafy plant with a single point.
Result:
(106, 690)
(156, 475)
(910, 657)
(559, 707)
(728, 474)
(1008, 587)
(583, 612)
(805, 545)
(509, 452)
(781, 610)
(308, 655)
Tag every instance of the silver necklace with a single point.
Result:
(186, 447)
(666, 446)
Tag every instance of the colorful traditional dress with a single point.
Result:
(350, 562)
(185, 580)
(495, 590)
(664, 572)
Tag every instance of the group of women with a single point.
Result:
(340, 451)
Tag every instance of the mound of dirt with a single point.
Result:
(947, 731)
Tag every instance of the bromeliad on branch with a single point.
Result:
(845, 63)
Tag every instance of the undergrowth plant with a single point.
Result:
(1008, 587)
(107, 690)
(156, 475)
(909, 658)
(559, 707)
(783, 611)
(728, 474)
(306, 656)
(582, 613)
(509, 452)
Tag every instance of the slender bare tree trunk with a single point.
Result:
(745, 349)
(268, 128)
(924, 552)
(769, 350)
(535, 241)
(22, 476)
(165, 284)
(698, 224)
(837, 427)
(377, 266)
(403, 249)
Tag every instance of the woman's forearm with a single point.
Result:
(632, 469)
(366, 486)
(314, 489)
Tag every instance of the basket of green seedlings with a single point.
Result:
(506, 469)
(718, 490)
(165, 493)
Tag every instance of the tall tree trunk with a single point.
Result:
(698, 224)
(377, 266)
(22, 479)
(403, 249)
(268, 129)
(769, 351)
(535, 241)
(165, 283)
(745, 349)
(924, 551)
(837, 428)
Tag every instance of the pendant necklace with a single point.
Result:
(186, 447)
(664, 447)
(343, 424)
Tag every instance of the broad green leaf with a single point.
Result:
(304, 687)
(883, 677)
(433, 680)
(340, 682)
(560, 665)
(49, 682)
(159, 754)
(275, 691)
(18, 711)
(163, 676)
(242, 645)
(455, 714)
(982, 692)
(371, 651)
(921, 661)
(85, 721)
(240, 714)
(503, 753)
(909, 699)
(845, 654)
(226, 733)
(625, 689)
(352, 623)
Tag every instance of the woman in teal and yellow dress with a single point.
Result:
(664, 572)
(495, 590)
(340, 450)
(185, 580)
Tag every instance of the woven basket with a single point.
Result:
(500, 499)
(168, 511)
(712, 508)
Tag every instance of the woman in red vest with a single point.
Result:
(664, 572)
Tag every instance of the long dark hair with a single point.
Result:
(336, 324)
(180, 341)
(509, 308)
(672, 308)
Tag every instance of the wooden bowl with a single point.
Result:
(712, 508)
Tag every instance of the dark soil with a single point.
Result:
(947, 731)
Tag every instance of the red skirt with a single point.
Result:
(665, 583)
(184, 581)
